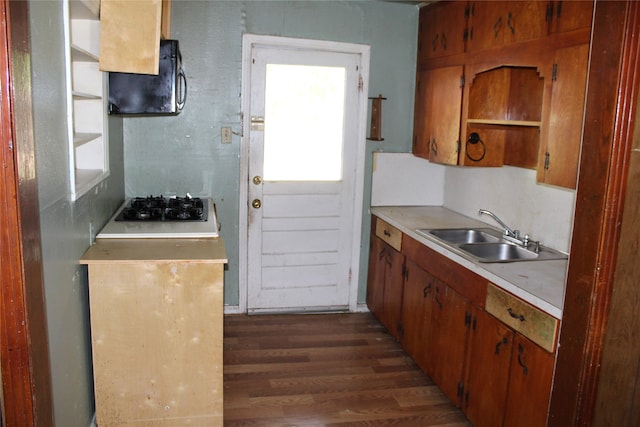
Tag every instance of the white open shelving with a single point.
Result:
(86, 97)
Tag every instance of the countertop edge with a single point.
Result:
(203, 251)
(483, 270)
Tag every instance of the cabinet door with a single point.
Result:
(416, 314)
(441, 30)
(529, 384)
(437, 114)
(393, 285)
(560, 145)
(449, 332)
(130, 36)
(570, 15)
(487, 376)
(375, 278)
(496, 23)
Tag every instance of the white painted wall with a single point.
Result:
(542, 211)
(402, 179)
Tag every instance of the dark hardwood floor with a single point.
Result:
(325, 370)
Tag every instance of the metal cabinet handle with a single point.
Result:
(515, 315)
(256, 203)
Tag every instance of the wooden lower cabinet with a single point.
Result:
(487, 370)
(530, 381)
(417, 306)
(450, 318)
(494, 373)
(156, 331)
(385, 282)
(157, 343)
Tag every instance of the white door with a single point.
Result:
(304, 195)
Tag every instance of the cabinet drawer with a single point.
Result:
(531, 322)
(389, 234)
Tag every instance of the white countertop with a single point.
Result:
(540, 283)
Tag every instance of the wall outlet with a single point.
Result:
(226, 135)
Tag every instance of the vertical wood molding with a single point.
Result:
(616, 400)
(609, 120)
(26, 375)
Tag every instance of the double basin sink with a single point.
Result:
(489, 245)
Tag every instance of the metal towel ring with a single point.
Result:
(473, 139)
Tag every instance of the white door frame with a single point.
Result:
(249, 41)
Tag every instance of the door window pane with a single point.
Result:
(303, 132)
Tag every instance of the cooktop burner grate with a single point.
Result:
(159, 208)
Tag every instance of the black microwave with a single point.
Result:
(147, 94)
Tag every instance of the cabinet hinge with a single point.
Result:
(458, 146)
(546, 160)
(360, 83)
(405, 272)
(460, 392)
(549, 14)
(554, 73)
(461, 82)
(467, 319)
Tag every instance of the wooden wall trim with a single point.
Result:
(24, 350)
(609, 119)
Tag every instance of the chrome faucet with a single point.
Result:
(512, 235)
(506, 229)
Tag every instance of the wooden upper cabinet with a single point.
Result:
(569, 15)
(441, 30)
(437, 114)
(130, 33)
(560, 145)
(503, 115)
(497, 23)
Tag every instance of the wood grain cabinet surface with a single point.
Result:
(528, 59)
(487, 350)
(442, 30)
(385, 280)
(437, 114)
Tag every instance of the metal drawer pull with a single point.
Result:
(525, 369)
(500, 344)
(387, 233)
(520, 317)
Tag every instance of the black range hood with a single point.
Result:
(146, 94)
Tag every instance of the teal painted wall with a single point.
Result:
(184, 153)
(64, 224)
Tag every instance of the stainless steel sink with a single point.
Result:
(465, 235)
(489, 245)
(499, 252)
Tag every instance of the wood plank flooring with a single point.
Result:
(325, 370)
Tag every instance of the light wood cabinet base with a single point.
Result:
(157, 343)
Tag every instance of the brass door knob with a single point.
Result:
(256, 203)
(257, 180)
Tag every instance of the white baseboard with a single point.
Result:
(235, 309)
(232, 309)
